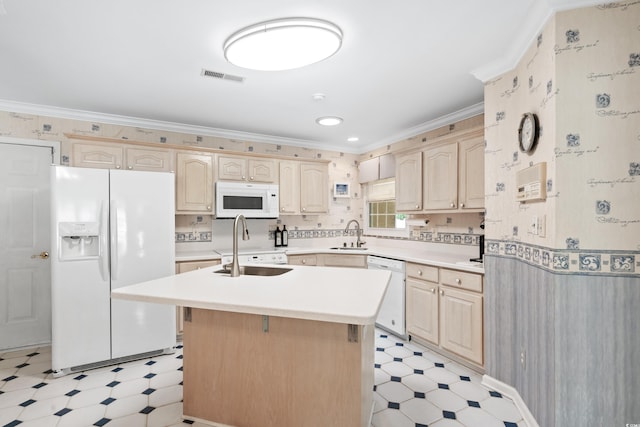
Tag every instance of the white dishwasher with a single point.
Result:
(391, 315)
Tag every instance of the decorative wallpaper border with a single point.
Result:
(200, 236)
(449, 238)
(569, 261)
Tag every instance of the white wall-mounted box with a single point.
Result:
(531, 183)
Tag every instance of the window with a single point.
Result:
(380, 206)
(382, 214)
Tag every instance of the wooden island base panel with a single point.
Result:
(249, 370)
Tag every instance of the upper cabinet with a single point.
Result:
(409, 182)
(471, 170)
(446, 176)
(247, 169)
(440, 183)
(314, 188)
(121, 156)
(289, 187)
(377, 168)
(194, 182)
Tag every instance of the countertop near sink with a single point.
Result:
(420, 256)
(438, 259)
(340, 295)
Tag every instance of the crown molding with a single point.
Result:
(538, 16)
(113, 119)
(445, 120)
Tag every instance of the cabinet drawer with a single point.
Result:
(302, 259)
(356, 261)
(459, 279)
(424, 272)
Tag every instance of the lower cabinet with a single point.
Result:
(183, 267)
(444, 308)
(329, 260)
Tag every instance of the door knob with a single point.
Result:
(43, 255)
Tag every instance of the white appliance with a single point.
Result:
(110, 228)
(392, 311)
(250, 200)
(254, 256)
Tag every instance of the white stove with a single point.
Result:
(254, 255)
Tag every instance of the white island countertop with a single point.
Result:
(340, 295)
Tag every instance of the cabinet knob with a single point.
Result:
(419, 272)
(250, 178)
(117, 166)
(462, 205)
(433, 290)
(417, 206)
(442, 293)
(452, 205)
(208, 208)
(244, 177)
(130, 167)
(458, 282)
(281, 209)
(304, 261)
(304, 209)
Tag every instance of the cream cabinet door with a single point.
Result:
(314, 188)
(409, 182)
(471, 169)
(194, 182)
(147, 159)
(289, 187)
(232, 168)
(246, 169)
(441, 177)
(101, 156)
(461, 323)
(262, 170)
(422, 309)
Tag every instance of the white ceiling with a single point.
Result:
(404, 67)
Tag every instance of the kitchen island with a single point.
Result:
(294, 349)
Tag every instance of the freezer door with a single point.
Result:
(142, 221)
(80, 293)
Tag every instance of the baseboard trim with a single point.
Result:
(512, 394)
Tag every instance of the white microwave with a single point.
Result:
(250, 200)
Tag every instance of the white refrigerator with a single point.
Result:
(110, 228)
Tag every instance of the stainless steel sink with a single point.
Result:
(342, 248)
(257, 270)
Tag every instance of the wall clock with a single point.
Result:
(528, 132)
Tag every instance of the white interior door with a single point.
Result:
(25, 290)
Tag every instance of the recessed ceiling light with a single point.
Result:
(283, 44)
(329, 121)
(318, 96)
(353, 139)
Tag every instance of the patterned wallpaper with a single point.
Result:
(582, 78)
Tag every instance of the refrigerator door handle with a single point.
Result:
(104, 256)
(114, 240)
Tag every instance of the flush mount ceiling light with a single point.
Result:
(283, 44)
(353, 139)
(329, 121)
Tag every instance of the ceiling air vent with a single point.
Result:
(223, 76)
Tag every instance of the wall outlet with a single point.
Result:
(542, 226)
(533, 225)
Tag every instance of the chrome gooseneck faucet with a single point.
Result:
(359, 243)
(235, 265)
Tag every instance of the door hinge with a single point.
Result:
(352, 333)
(265, 323)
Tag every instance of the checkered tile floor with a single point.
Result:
(414, 388)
